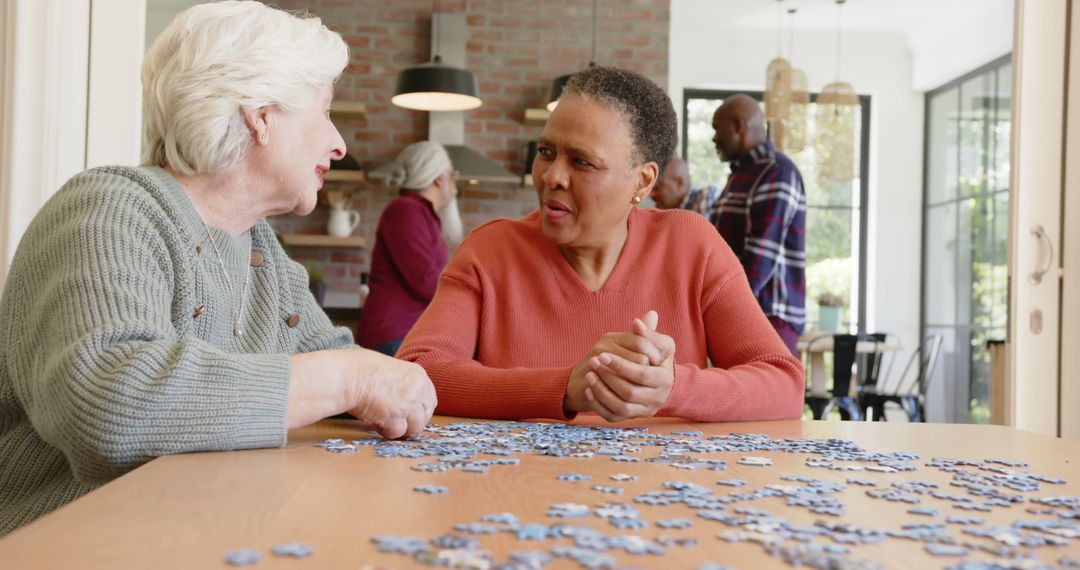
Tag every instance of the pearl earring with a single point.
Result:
(635, 200)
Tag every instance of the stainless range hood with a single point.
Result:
(476, 168)
(448, 128)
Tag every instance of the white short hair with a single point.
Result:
(213, 62)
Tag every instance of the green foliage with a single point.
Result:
(828, 299)
(828, 235)
(315, 275)
(980, 412)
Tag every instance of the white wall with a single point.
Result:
(944, 52)
(880, 65)
(44, 105)
(114, 97)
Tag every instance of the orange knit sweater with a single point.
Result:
(511, 318)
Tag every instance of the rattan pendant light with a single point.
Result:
(793, 135)
(837, 111)
(778, 79)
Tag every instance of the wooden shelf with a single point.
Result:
(536, 117)
(312, 240)
(344, 176)
(348, 108)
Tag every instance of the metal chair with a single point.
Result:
(909, 394)
(868, 364)
(843, 360)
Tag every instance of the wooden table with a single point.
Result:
(187, 511)
(818, 343)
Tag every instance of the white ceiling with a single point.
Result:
(910, 18)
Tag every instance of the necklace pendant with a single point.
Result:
(238, 331)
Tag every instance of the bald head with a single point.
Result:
(739, 126)
(671, 190)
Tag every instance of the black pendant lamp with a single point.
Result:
(435, 86)
(560, 81)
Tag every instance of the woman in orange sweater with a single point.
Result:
(593, 305)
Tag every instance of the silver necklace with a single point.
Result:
(238, 311)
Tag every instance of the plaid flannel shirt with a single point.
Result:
(762, 216)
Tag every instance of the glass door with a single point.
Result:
(965, 231)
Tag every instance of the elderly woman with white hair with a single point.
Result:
(150, 311)
(410, 244)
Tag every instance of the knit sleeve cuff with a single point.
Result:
(262, 416)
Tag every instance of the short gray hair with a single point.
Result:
(646, 107)
(213, 62)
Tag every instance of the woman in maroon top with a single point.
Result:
(409, 248)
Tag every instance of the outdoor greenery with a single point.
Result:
(705, 165)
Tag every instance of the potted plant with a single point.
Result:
(830, 310)
(316, 282)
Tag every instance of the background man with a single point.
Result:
(762, 215)
(673, 190)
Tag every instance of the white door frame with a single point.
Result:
(1038, 119)
(69, 99)
(1069, 420)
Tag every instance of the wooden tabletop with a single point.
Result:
(188, 511)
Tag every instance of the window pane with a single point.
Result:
(830, 263)
(706, 168)
(979, 396)
(965, 223)
(701, 157)
(976, 105)
(941, 151)
(989, 231)
(940, 273)
(945, 396)
(832, 232)
(999, 166)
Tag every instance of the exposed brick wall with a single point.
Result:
(515, 48)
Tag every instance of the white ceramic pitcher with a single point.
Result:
(342, 222)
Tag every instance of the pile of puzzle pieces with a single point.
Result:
(1047, 521)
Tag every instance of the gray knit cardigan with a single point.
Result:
(117, 343)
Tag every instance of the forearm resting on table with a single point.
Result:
(321, 385)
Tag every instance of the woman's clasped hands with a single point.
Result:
(625, 374)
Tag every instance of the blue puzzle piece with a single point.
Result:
(243, 557)
(293, 549)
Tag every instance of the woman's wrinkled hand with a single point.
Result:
(620, 388)
(394, 396)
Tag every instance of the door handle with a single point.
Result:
(1039, 233)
